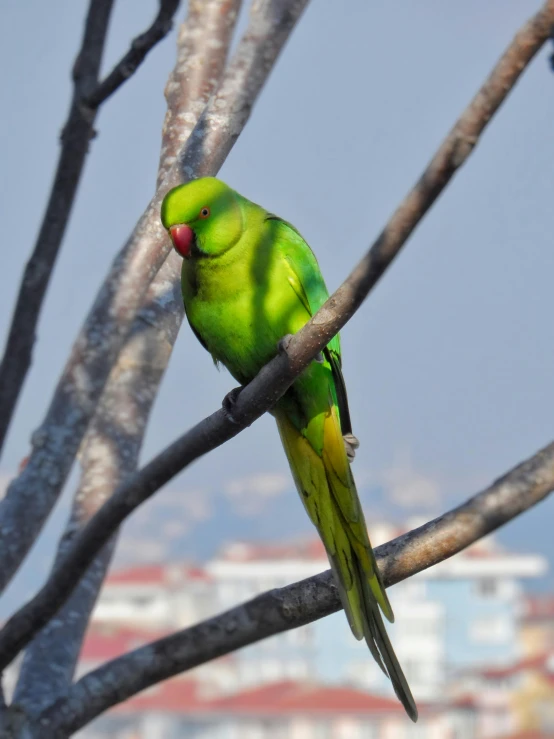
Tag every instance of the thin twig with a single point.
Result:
(111, 447)
(140, 46)
(277, 375)
(30, 498)
(300, 603)
(89, 94)
(75, 138)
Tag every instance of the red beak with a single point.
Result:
(183, 239)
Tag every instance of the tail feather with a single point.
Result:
(343, 490)
(328, 491)
(354, 608)
(377, 634)
(339, 557)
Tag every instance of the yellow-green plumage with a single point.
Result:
(248, 280)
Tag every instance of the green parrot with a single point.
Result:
(248, 280)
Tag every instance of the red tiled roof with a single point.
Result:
(250, 551)
(538, 607)
(532, 734)
(312, 548)
(542, 663)
(287, 697)
(498, 673)
(539, 663)
(104, 643)
(157, 574)
(178, 695)
(290, 697)
(141, 574)
(464, 701)
(183, 695)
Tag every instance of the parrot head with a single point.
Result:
(203, 218)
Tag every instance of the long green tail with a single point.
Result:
(328, 491)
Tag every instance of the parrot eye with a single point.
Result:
(205, 212)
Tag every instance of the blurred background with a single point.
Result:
(449, 366)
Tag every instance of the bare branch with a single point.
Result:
(49, 663)
(188, 90)
(31, 496)
(110, 453)
(111, 447)
(301, 603)
(271, 22)
(75, 138)
(277, 375)
(132, 60)
(452, 153)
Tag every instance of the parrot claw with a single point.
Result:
(351, 443)
(284, 343)
(319, 358)
(229, 402)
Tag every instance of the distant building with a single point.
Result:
(177, 709)
(491, 691)
(460, 614)
(515, 698)
(159, 596)
(536, 625)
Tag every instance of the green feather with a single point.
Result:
(249, 280)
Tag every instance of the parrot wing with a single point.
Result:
(318, 459)
(307, 282)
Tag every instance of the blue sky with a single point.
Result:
(449, 364)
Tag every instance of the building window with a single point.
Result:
(322, 730)
(296, 669)
(487, 587)
(299, 637)
(142, 601)
(368, 730)
(420, 627)
(411, 590)
(414, 669)
(492, 630)
(419, 731)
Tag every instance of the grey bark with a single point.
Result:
(301, 603)
(112, 445)
(77, 133)
(31, 496)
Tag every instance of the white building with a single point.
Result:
(160, 596)
(459, 614)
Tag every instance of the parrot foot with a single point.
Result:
(229, 402)
(351, 443)
(284, 343)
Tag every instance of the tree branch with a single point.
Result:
(78, 131)
(200, 65)
(271, 22)
(108, 456)
(301, 603)
(273, 380)
(29, 498)
(75, 138)
(111, 447)
(140, 46)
